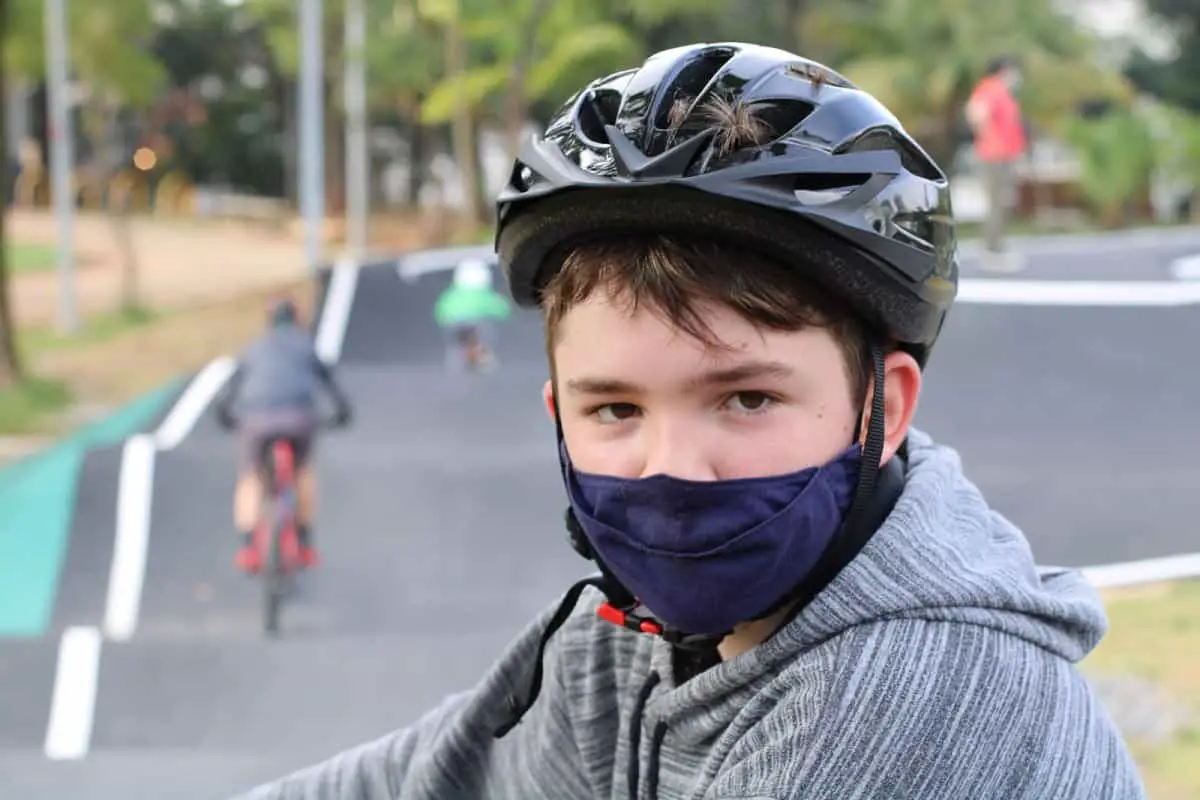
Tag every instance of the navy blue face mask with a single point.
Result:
(703, 556)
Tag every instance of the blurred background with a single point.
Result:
(165, 175)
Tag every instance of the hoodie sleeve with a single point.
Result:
(451, 750)
(922, 710)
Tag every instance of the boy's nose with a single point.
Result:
(676, 451)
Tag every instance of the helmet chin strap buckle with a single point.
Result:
(620, 606)
(639, 623)
(628, 619)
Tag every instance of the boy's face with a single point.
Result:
(638, 397)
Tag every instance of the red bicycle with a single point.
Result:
(276, 536)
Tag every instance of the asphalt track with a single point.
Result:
(440, 528)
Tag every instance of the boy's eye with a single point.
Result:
(749, 402)
(615, 412)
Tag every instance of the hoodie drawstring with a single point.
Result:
(660, 733)
(635, 733)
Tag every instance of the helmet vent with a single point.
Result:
(599, 108)
(883, 139)
(689, 84)
(818, 190)
(782, 116)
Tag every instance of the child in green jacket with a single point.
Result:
(467, 311)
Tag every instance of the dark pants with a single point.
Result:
(259, 428)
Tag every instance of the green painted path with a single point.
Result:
(37, 501)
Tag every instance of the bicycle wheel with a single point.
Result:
(273, 580)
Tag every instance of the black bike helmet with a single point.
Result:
(750, 145)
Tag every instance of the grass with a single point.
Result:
(31, 257)
(24, 409)
(1154, 636)
(30, 409)
(98, 328)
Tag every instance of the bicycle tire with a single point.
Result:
(273, 581)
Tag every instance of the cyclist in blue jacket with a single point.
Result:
(274, 393)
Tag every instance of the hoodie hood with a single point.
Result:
(943, 554)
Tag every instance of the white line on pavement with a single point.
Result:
(69, 732)
(135, 495)
(1150, 570)
(335, 316)
(1004, 291)
(191, 404)
(413, 266)
(1186, 268)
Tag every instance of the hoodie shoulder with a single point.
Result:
(937, 710)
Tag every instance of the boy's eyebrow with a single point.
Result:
(717, 377)
(745, 371)
(603, 386)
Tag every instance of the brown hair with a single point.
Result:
(670, 277)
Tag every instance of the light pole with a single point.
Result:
(312, 126)
(62, 141)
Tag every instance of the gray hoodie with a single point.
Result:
(278, 372)
(940, 664)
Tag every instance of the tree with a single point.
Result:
(1172, 78)
(921, 58)
(10, 361)
(227, 98)
(1117, 159)
(109, 52)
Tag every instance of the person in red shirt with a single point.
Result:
(995, 119)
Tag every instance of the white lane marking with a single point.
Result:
(1186, 268)
(1150, 570)
(335, 316)
(425, 262)
(135, 495)
(191, 404)
(69, 731)
(1004, 291)
(1095, 242)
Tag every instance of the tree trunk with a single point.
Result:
(335, 155)
(10, 361)
(113, 147)
(335, 118)
(516, 105)
(418, 158)
(483, 199)
(291, 187)
(793, 24)
(466, 151)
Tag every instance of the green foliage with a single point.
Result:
(109, 46)
(24, 408)
(922, 57)
(1173, 79)
(1117, 155)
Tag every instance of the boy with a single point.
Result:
(275, 389)
(743, 263)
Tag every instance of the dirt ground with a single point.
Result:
(181, 263)
(208, 284)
